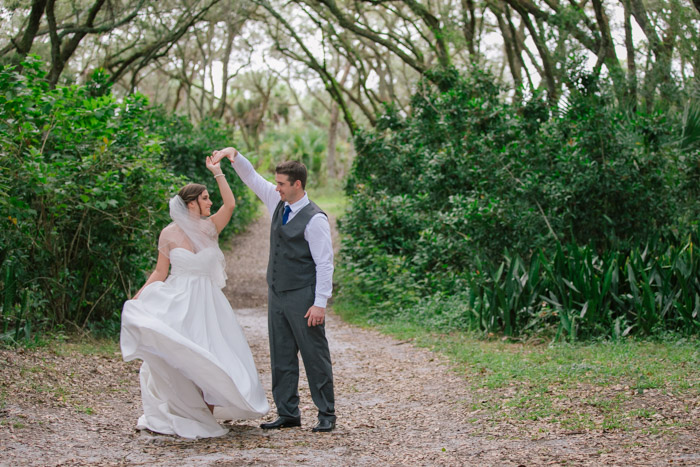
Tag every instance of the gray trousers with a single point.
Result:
(290, 335)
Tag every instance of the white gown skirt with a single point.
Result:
(193, 350)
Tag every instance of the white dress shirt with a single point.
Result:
(317, 232)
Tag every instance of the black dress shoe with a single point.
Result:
(281, 422)
(323, 426)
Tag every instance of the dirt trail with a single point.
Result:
(396, 404)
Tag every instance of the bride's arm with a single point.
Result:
(160, 273)
(223, 215)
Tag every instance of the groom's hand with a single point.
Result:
(316, 315)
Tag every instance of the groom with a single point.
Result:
(299, 278)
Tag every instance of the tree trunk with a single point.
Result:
(333, 129)
(56, 65)
(24, 44)
(332, 138)
(230, 35)
(511, 51)
(631, 66)
(607, 54)
(62, 51)
(660, 71)
(469, 25)
(518, 36)
(547, 65)
(441, 46)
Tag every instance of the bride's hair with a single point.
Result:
(191, 192)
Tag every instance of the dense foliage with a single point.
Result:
(469, 186)
(84, 195)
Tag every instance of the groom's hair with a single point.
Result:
(295, 170)
(191, 192)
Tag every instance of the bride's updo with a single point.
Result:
(191, 192)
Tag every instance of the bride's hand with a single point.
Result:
(214, 167)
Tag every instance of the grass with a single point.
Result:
(586, 386)
(100, 347)
(104, 347)
(84, 409)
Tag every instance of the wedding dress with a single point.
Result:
(192, 347)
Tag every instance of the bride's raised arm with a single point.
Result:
(223, 215)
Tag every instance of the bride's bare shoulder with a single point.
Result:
(171, 230)
(171, 227)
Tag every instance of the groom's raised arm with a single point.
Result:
(265, 190)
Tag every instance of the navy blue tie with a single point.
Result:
(285, 216)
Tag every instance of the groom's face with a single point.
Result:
(289, 192)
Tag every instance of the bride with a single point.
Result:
(197, 365)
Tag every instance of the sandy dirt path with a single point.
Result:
(397, 405)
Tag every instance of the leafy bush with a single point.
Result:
(467, 180)
(84, 196)
(647, 291)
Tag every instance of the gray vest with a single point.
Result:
(291, 265)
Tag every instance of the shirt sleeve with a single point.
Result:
(318, 234)
(264, 190)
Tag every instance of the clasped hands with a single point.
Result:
(229, 153)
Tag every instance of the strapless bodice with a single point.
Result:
(205, 263)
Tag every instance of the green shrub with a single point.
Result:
(468, 186)
(85, 195)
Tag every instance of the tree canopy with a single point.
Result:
(354, 56)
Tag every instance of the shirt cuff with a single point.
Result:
(321, 302)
